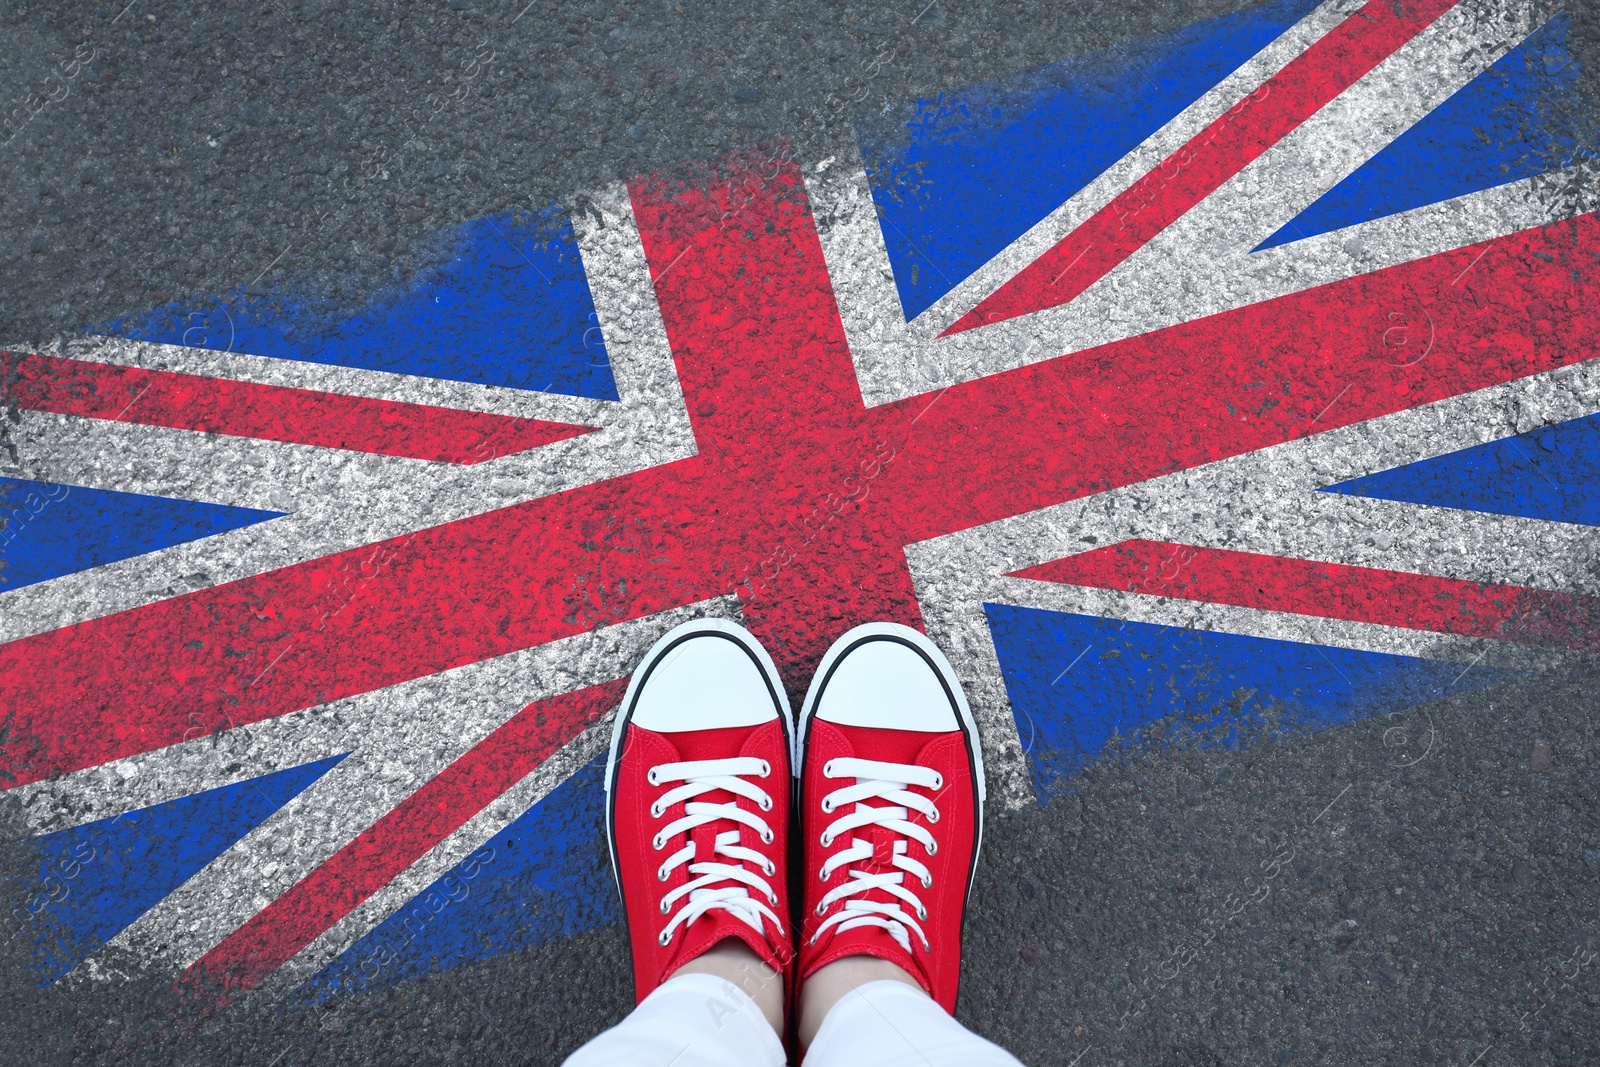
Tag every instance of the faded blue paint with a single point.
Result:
(51, 529)
(1550, 473)
(510, 307)
(95, 879)
(958, 177)
(1077, 682)
(544, 876)
(1492, 131)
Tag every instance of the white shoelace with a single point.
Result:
(708, 891)
(878, 781)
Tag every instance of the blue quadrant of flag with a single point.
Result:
(510, 306)
(1077, 682)
(95, 879)
(1552, 473)
(52, 529)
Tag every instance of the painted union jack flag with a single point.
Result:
(1227, 383)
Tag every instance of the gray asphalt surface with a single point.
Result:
(1417, 889)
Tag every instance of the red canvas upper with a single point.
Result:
(638, 861)
(936, 966)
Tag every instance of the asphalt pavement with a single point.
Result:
(1416, 888)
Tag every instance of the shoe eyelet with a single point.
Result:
(772, 898)
(938, 781)
(771, 868)
(766, 768)
(656, 810)
(933, 848)
(922, 913)
(826, 840)
(664, 940)
(933, 816)
(767, 837)
(657, 843)
(765, 803)
(827, 769)
(927, 883)
(661, 875)
(827, 806)
(821, 911)
(651, 777)
(663, 907)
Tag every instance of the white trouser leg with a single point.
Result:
(889, 1024)
(693, 1019)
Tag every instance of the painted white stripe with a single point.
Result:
(205, 761)
(1465, 545)
(404, 736)
(655, 418)
(1279, 626)
(350, 381)
(160, 461)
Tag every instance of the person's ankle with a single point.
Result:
(830, 983)
(734, 961)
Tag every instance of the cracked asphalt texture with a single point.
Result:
(1421, 888)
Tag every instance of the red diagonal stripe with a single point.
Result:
(268, 412)
(1334, 591)
(403, 836)
(352, 622)
(1224, 148)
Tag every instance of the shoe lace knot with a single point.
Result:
(889, 782)
(715, 884)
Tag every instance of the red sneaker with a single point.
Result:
(697, 801)
(891, 807)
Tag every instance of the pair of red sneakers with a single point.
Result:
(882, 780)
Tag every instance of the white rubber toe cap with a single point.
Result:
(887, 683)
(705, 681)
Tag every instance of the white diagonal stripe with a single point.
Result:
(349, 381)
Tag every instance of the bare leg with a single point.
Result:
(732, 960)
(823, 989)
